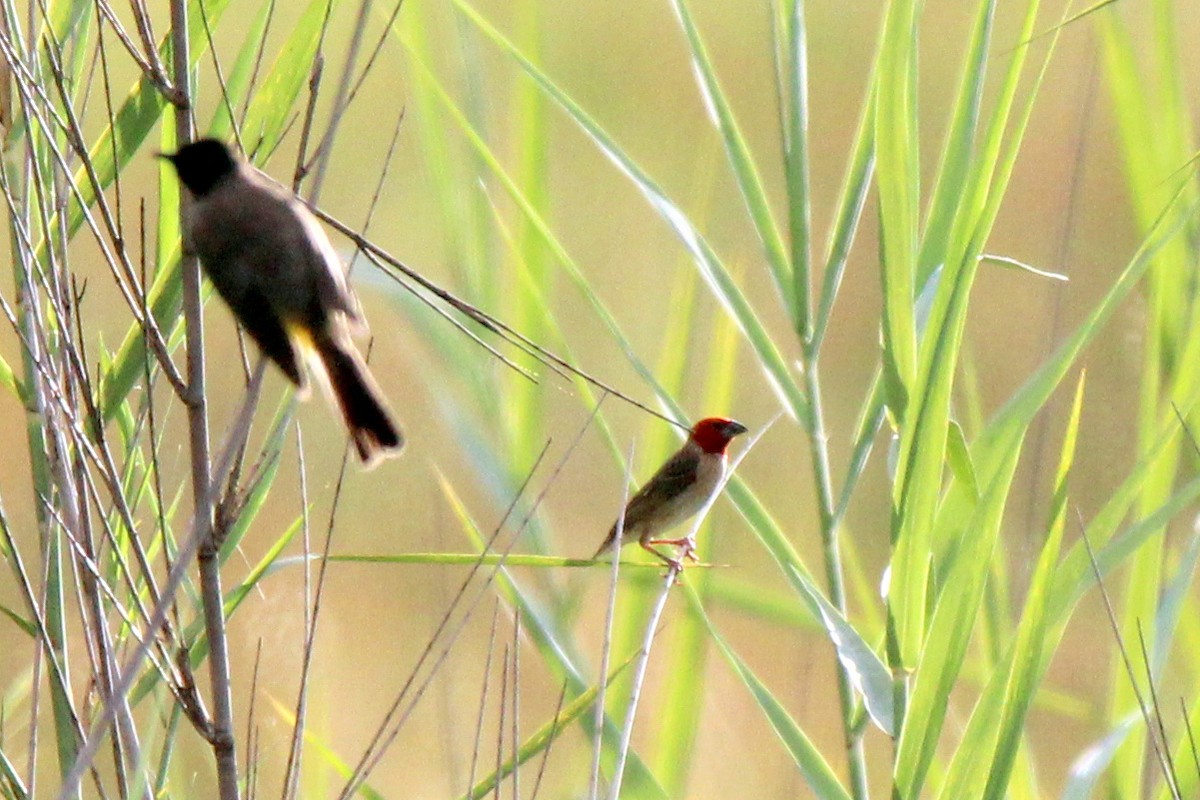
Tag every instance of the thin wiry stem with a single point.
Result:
(198, 532)
(504, 672)
(639, 677)
(483, 694)
(407, 273)
(204, 490)
(1158, 730)
(516, 706)
(1116, 629)
(609, 616)
(1187, 724)
(381, 742)
(251, 765)
(340, 98)
(291, 781)
(562, 698)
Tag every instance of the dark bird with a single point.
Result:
(271, 262)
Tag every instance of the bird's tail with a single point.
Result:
(608, 543)
(375, 434)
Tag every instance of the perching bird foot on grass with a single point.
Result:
(680, 488)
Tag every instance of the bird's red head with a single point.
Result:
(714, 434)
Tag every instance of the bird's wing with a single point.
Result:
(673, 477)
(333, 289)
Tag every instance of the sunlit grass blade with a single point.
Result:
(270, 112)
(724, 287)
(742, 161)
(1154, 123)
(950, 631)
(241, 72)
(553, 644)
(994, 732)
(323, 751)
(687, 647)
(957, 162)
(546, 734)
(793, 90)
(812, 765)
(897, 178)
(138, 114)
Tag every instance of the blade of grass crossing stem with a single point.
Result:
(897, 178)
(919, 477)
(724, 288)
(194, 632)
(794, 89)
(955, 166)
(741, 160)
(138, 115)
(524, 405)
(950, 628)
(994, 740)
(546, 734)
(239, 75)
(553, 645)
(811, 764)
(271, 110)
(681, 705)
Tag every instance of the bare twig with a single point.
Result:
(609, 617)
(199, 531)
(483, 694)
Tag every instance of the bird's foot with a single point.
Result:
(686, 545)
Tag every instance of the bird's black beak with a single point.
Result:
(165, 156)
(735, 428)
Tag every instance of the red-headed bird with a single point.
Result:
(268, 258)
(678, 490)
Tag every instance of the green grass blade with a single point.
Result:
(957, 163)
(796, 171)
(812, 765)
(555, 648)
(546, 734)
(748, 179)
(722, 284)
(897, 177)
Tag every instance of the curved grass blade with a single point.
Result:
(545, 735)
(744, 169)
(807, 758)
(724, 287)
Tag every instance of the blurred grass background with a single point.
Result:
(1074, 206)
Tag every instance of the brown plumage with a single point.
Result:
(678, 490)
(271, 262)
